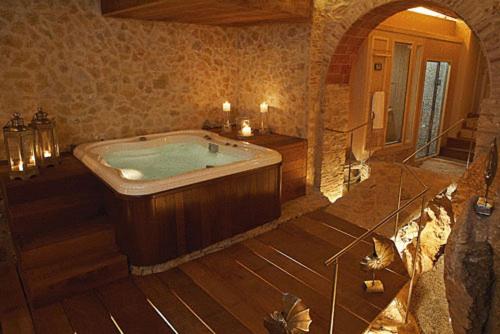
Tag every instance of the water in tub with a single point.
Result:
(167, 160)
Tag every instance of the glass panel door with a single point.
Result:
(433, 102)
(399, 83)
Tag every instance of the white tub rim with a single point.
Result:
(263, 157)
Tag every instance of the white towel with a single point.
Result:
(378, 106)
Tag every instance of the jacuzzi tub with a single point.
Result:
(159, 162)
(168, 194)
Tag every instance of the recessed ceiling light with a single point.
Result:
(429, 12)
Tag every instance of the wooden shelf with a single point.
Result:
(210, 12)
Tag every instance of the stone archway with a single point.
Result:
(339, 27)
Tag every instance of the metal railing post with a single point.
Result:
(469, 155)
(350, 163)
(334, 295)
(414, 269)
(396, 223)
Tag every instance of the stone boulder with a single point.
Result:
(436, 227)
(469, 271)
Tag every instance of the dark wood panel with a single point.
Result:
(214, 12)
(153, 229)
(293, 151)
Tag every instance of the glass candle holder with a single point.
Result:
(245, 128)
(264, 118)
(226, 121)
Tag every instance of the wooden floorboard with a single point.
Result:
(315, 280)
(227, 296)
(15, 316)
(87, 315)
(180, 316)
(214, 315)
(51, 319)
(128, 305)
(232, 290)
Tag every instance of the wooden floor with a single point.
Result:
(232, 290)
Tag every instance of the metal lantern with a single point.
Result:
(46, 144)
(19, 146)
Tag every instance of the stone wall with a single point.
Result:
(272, 63)
(105, 78)
(108, 78)
(334, 144)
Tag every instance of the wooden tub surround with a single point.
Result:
(153, 229)
(293, 152)
(73, 233)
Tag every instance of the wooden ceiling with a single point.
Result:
(210, 12)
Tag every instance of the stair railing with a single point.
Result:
(351, 139)
(334, 260)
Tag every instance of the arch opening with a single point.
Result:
(347, 96)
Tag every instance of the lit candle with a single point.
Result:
(226, 106)
(20, 167)
(46, 154)
(246, 131)
(32, 159)
(264, 107)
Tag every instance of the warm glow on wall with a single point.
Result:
(429, 12)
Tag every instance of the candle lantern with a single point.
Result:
(264, 118)
(245, 128)
(20, 148)
(46, 144)
(226, 110)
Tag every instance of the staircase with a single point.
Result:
(457, 148)
(64, 241)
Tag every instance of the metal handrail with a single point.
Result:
(347, 131)
(335, 258)
(454, 125)
(349, 161)
(370, 231)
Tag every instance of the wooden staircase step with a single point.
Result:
(461, 143)
(74, 275)
(53, 212)
(79, 239)
(456, 153)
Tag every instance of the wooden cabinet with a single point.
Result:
(294, 165)
(212, 12)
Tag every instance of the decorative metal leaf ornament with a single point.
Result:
(382, 257)
(294, 319)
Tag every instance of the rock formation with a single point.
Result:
(469, 271)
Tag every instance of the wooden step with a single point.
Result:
(467, 133)
(74, 275)
(461, 143)
(68, 178)
(53, 212)
(455, 153)
(86, 237)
